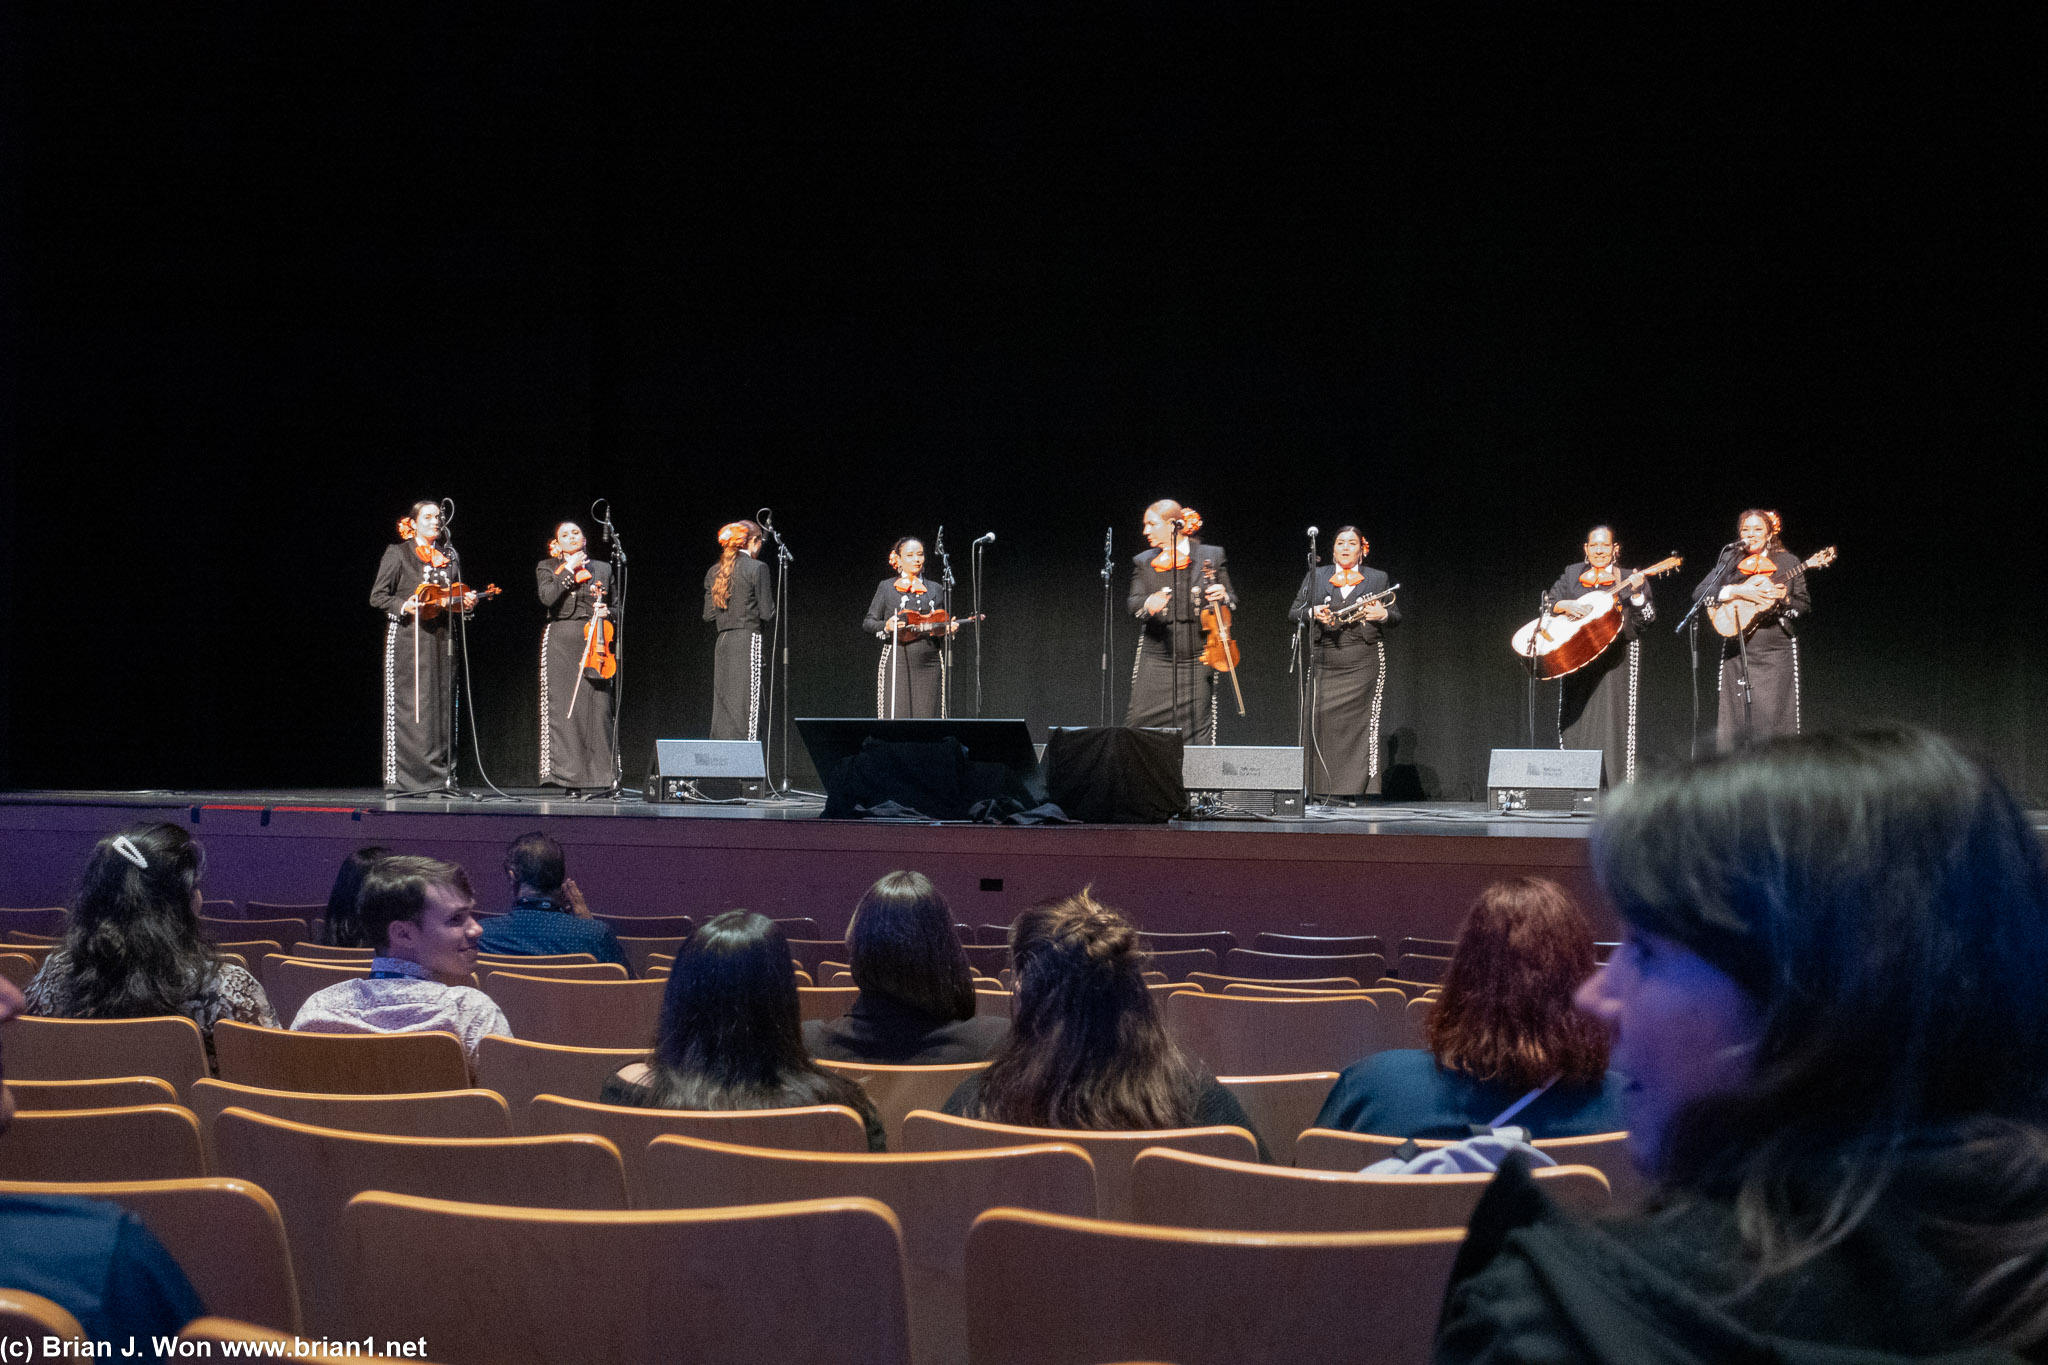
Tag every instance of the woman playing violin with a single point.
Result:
(419, 668)
(1350, 656)
(739, 597)
(909, 680)
(1596, 706)
(1170, 584)
(1765, 664)
(576, 710)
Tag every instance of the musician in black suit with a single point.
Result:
(1596, 705)
(1350, 674)
(1170, 583)
(1767, 659)
(909, 679)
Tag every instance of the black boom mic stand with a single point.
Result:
(618, 611)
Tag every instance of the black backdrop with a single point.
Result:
(278, 271)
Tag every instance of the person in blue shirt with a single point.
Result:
(1504, 1033)
(94, 1259)
(548, 914)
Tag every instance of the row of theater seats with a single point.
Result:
(926, 1272)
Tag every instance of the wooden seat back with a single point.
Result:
(825, 1002)
(817, 1127)
(649, 926)
(313, 1172)
(935, 1196)
(640, 952)
(524, 960)
(28, 1320)
(226, 1235)
(808, 1283)
(1217, 984)
(579, 1013)
(1242, 1035)
(1182, 1294)
(1217, 941)
(47, 920)
(113, 1092)
(340, 1063)
(519, 1069)
(18, 969)
(1281, 1107)
(169, 1047)
(1422, 967)
(896, 1090)
(1181, 963)
(429, 1114)
(1112, 1153)
(1252, 966)
(141, 1142)
(290, 982)
(1182, 1190)
(283, 928)
(1324, 1149)
(1300, 945)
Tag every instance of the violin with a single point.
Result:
(1219, 651)
(435, 598)
(918, 624)
(599, 662)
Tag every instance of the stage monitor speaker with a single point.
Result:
(1254, 779)
(937, 769)
(1544, 779)
(1115, 775)
(706, 769)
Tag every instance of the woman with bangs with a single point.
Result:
(1505, 1043)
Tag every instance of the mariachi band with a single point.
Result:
(1586, 636)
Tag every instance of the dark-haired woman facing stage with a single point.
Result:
(1170, 685)
(575, 709)
(419, 663)
(739, 598)
(909, 678)
(1350, 667)
(1768, 659)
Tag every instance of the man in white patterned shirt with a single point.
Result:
(422, 916)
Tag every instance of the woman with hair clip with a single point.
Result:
(575, 709)
(739, 597)
(419, 671)
(916, 1004)
(1088, 1049)
(1828, 1006)
(908, 681)
(1504, 1034)
(1350, 667)
(1170, 584)
(134, 949)
(731, 1034)
(1768, 658)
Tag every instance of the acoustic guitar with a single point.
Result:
(1738, 615)
(1557, 643)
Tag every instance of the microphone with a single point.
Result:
(988, 539)
(1314, 531)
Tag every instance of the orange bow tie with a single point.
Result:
(1346, 578)
(1599, 578)
(910, 585)
(1758, 563)
(1178, 559)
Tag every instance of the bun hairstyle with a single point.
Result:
(134, 942)
(1087, 1048)
(733, 539)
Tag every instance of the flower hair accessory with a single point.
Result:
(1777, 523)
(733, 535)
(1190, 521)
(125, 846)
(406, 528)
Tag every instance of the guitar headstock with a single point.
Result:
(1820, 559)
(1664, 565)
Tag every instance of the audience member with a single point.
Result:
(1504, 1032)
(134, 948)
(1087, 1047)
(1829, 1010)
(96, 1260)
(916, 1003)
(548, 913)
(343, 928)
(421, 917)
(730, 1035)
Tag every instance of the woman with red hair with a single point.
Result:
(1504, 1032)
(739, 599)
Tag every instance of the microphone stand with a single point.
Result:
(1690, 623)
(1108, 693)
(1305, 697)
(618, 614)
(779, 633)
(1183, 578)
(458, 676)
(946, 642)
(1529, 673)
(974, 573)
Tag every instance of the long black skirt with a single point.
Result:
(575, 713)
(1349, 687)
(1596, 709)
(1153, 700)
(419, 711)
(909, 681)
(736, 685)
(1773, 668)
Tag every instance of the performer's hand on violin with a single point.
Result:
(468, 600)
(410, 606)
(599, 611)
(893, 623)
(1215, 593)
